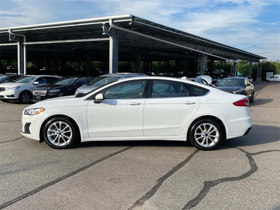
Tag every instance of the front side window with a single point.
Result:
(166, 89)
(42, 81)
(126, 90)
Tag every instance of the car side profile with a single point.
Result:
(63, 87)
(21, 89)
(140, 108)
(274, 78)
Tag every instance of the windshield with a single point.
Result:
(101, 81)
(231, 82)
(2, 77)
(66, 81)
(25, 79)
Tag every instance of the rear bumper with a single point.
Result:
(240, 127)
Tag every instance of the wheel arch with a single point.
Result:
(54, 116)
(23, 91)
(208, 117)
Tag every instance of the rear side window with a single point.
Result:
(196, 90)
(167, 89)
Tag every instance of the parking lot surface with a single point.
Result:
(243, 173)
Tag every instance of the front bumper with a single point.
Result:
(31, 126)
(8, 94)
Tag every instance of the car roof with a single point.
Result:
(123, 74)
(234, 78)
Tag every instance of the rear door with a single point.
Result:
(168, 109)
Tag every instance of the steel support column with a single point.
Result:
(114, 53)
(138, 59)
(250, 69)
(21, 51)
(234, 67)
(21, 58)
(202, 64)
(259, 71)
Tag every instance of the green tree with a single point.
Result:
(243, 67)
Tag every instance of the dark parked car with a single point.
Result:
(62, 87)
(237, 85)
(8, 78)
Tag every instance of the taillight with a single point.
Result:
(243, 102)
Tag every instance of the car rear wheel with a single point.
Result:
(60, 133)
(206, 134)
(252, 97)
(25, 97)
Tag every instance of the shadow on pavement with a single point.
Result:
(133, 144)
(259, 102)
(259, 135)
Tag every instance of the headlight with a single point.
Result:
(33, 111)
(13, 88)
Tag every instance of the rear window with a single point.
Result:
(196, 90)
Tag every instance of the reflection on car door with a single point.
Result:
(168, 109)
(120, 114)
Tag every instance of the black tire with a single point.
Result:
(25, 97)
(206, 134)
(60, 133)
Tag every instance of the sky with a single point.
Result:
(250, 25)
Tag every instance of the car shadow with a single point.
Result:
(258, 135)
(258, 102)
(159, 143)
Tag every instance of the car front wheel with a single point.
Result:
(60, 133)
(206, 134)
(25, 97)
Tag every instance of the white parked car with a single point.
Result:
(274, 78)
(140, 108)
(21, 89)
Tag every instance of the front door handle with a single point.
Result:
(134, 103)
(190, 102)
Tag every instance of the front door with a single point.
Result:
(120, 114)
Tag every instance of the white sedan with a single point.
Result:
(141, 108)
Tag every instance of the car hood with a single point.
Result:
(55, 101)
(229, 88)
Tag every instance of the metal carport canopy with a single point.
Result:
(97, 36)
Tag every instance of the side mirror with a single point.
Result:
(98, 98)
(36, 83)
